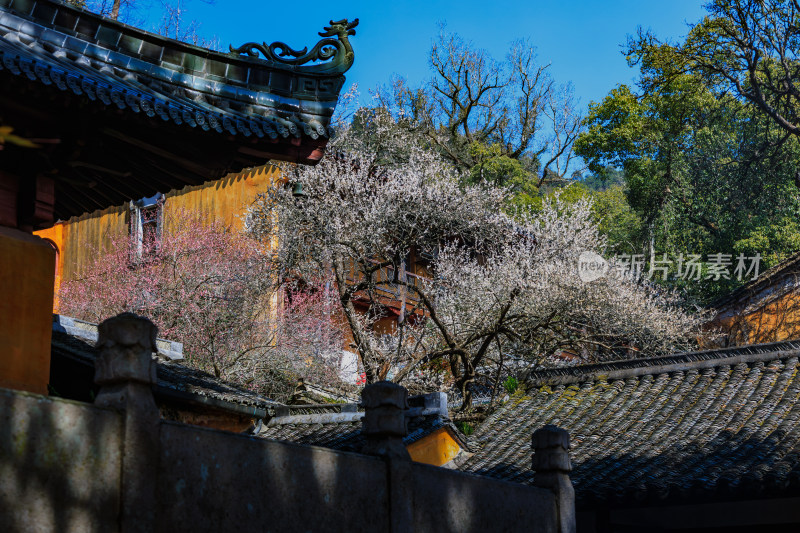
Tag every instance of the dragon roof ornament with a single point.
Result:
(337, 54)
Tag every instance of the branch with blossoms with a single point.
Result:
(212, 288)
(462, 282)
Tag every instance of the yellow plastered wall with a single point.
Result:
(77, 240)
(225, 200)
(80, 238)
(775, 321)
(435, 449)
(55, 237)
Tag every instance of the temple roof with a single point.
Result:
(69, 75)
(713, 425)
(779, 279)
(73, 357)
(338, 426)
(137, 71)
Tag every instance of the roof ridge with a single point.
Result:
(317, 418)
(65, 341)
(332, 64)
(659, 365)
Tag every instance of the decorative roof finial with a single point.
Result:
(337, 53)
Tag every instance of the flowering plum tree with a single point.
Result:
(500, 290)
(211, 288)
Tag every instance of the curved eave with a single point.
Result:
(101, 59)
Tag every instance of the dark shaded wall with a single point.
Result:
(61, 464)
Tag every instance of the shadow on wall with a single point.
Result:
(769, 313)
(72, 467)
(59, 465)
(236, 483)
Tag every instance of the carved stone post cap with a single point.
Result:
(550, 445)
(126, 343)
(384, 394)
(550, 436)
(384, 421)
(127, 329)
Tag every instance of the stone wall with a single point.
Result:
(115, 466)
(60, 465)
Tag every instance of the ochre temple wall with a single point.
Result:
(77, 240)
(776, 320)
(436, 449)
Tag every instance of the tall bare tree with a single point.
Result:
(513, 106)
(752, 47)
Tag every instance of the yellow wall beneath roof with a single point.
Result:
(55, 237)
(80, 238)
(774, 321)
(436, 449)
(226, 200)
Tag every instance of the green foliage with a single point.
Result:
(491, 164)
(617, 220)
(781, 240)
(614, 126)
(748, 49)
(466, 428)
(511, 384)
(704, 172)
(568, 194)
(603, 180)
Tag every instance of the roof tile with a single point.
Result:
(729, 426)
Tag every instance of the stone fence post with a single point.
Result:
(552, 466)
(126, 372)
(384, 426)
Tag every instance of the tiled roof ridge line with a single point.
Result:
(140, 94)
(163, 40)
(330, 393)
(88, 331)
(317, 418)
(257, 406)
(434, 403)
(660, 365)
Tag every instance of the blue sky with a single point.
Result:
(580, 39)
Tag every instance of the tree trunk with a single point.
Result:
(463, 387)
(369, 358)
(115, 9)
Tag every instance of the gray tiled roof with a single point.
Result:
(123, 114)
(714, 424)
(122, 67)
(178, 377)
(338, 426)
(345, 434)
(173, 379)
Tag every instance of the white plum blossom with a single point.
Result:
(500, 291)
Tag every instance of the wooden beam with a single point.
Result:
(188, 165)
